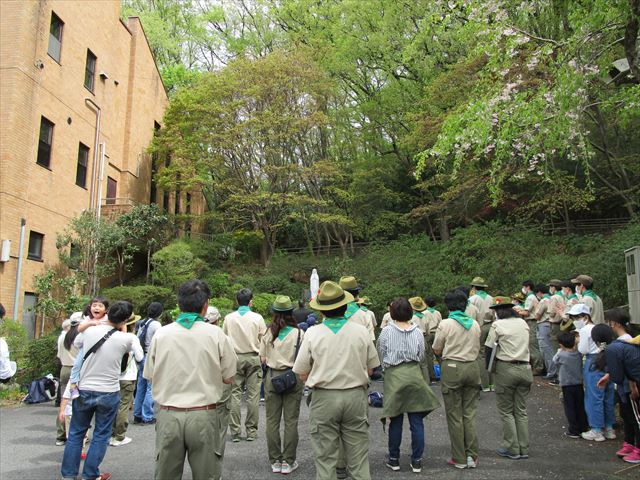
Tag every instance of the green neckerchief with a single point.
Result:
(284, 331)
(352, 307)
(363, 308)
(590, 293)
(559, 293)
(187, 319)
(335, 324)
(462, 318)
(572, 296)
(431, 309)
(418, 314)
(546, 295)
(482, 294)
(529, 294)
(243, 309)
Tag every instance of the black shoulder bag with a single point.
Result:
(285, 382)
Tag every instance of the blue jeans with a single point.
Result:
(417, 435)
(598, 403)
(105, 407)
(143, 403)
(546, 348)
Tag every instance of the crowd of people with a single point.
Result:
(190, 377)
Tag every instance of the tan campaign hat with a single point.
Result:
(349, 283)
(417, 303)
(499, 302)
(479, 282)
(330, 297)
(133, 319)
(555, 283)
(585, 280)
(282, 303)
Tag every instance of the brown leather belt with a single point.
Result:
(515, 362)
(213, 406)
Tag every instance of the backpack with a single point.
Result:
(376, 399)
(41, 390)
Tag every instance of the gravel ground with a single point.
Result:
(28, 451)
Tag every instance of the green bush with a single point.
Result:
(40, 359)
(141, 296)
(16, 337)
(175, 264)
(262, 304)
(218, 283)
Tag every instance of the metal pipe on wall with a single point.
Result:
(16, 296)
(96, 146)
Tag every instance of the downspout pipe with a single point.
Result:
(16, 296)
(96, 155)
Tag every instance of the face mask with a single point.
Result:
(523, 290)
(579, 324)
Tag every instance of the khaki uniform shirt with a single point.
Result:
(361, 318)
(279, 355)
(186, 366)
(245, 331)
(434, 320)
(542, 310)
(386, 319)
(455, 342)
(337, 360)
(512, 336)
(473, 312)
(483, 304)
(597, 310)
(530, 305)
(557, 305)
(67, 357)
(372, 317)
(422, 323)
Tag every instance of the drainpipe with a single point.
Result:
(16, 296)
(100, 179)
(96, 145)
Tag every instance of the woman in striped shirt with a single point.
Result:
(401, 349)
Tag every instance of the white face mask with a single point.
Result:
(523, 290)
(579, 324)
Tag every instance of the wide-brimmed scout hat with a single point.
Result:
(282, 303)
(555, 283)
(518, 296)
(212, 315)
(499, 302)
(585, 280)
(363, 301)
(330, 296)
(75, 319)
(133, 319)
(579, 309)
(349, 283)
(479, 282)
(417, 303)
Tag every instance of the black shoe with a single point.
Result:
(341, 473)
(393, 464)
(149, 422)
(416, 465)
(555, 382)
(137, 420)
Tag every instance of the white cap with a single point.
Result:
(212, 315)
(75, 318)
(66, 324)
(580, 309)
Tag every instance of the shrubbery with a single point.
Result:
(141, 296)
(175, 264)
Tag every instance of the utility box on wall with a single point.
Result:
(632, 262)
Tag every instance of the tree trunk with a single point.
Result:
(444, 229)
(631, 38)
(148, 264)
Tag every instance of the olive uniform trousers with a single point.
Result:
(285, 407)
(249, 373)
(537, 364)
(513, 383)
(223, 425)
(121, 423)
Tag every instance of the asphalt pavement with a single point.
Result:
(28, 450)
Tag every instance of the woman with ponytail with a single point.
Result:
(278, 350)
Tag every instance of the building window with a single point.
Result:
(45, 142)
(35, 245)
(90, 71)
(81, 169)
(55, 37)
(112, 191)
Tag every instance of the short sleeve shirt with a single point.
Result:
(483, 304)
(543, 310)
(530, 305)
(337, 361)
(360, 317)
(473, 312)
(245, 331)
(422, 323)
(597, 310)
(386, 318)
(557, 305)
(512, 337)
(457, 343)
(280, 354)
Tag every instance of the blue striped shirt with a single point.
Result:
(396, 346)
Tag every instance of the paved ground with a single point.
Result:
(28, 452)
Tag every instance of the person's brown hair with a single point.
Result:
(401, 310)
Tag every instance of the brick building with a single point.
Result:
(80, 97)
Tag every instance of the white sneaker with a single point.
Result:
(610, 434)
(276, 467)
(593, 436)
(117, 443)
(287, 469)
(60, 443)
(471, 463)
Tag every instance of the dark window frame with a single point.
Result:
(57, 38)
(89, 74)
(111, 200)
(44, 148)
(31, 255)
(82, 148)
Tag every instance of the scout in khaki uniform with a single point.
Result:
(509, 335)
(543, 326)
(188, 363)
(422, 321)
(557, 307)
(458, 343)
(364, 303)
(336, 359)
(435, 317)
(278, 350)
(354, 312)
(483, 301)
(527, 311)
(386, 318)
(584, 285)
(245, 330)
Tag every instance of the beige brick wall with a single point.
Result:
(131, 99)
